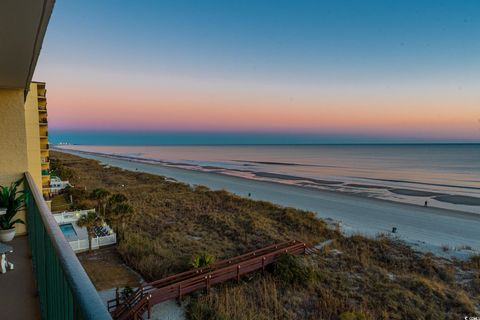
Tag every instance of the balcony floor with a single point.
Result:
(18, 298)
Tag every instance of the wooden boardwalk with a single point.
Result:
(176, 286)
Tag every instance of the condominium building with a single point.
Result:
(48, 280)
(37, 134)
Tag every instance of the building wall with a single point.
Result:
(33, 135)
(13, 140)
(40, 100)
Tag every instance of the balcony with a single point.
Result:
(45, 172)
(52, 283)
(20, 283)
(44, 147)
(42, 92)
(43, 121)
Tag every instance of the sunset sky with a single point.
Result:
(381, 70)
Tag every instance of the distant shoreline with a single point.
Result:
(428, 228)
(387, 191)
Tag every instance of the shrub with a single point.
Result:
(127, 292)
(290, 269)
(201, 311)
(202, 261)
(475, 261)
(353, 316)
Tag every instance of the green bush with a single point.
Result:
(127, 292)
(353, 316)
(202, 311)
(202, 261)
(475, 261)
(290, 269)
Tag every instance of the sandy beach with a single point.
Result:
(428, 228)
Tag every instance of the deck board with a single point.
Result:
(18, 298)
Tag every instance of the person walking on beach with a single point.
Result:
(426, 203)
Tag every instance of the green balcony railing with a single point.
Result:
(64, 289)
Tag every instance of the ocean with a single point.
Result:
(438, 175)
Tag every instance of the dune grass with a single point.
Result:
(107, 270)
(350, 278)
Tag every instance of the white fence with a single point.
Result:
(82, 245)
(69, 217)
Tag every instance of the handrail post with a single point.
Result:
(238, 273)
(207, 278)
(149, 308)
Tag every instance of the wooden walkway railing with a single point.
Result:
(176, 286)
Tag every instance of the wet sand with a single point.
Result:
(470, 201)
(427, 227)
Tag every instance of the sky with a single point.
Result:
(296, 71)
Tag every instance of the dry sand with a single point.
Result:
(426, 227)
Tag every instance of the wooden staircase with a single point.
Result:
(176, 286)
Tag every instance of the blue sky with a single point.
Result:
(334, 58)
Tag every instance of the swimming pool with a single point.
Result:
(68, 230)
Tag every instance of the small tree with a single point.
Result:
(118, 212)
(121, 213)
(116, 198)
(89, 221)
(101, 196)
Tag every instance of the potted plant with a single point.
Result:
(12, 200)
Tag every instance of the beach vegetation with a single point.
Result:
(353, 277)
(353, 316)
(292, 269)
(100, 195)
(118, 212)
(57, 168)
(203, 260)
(78, 197)
(89, 221)
(474, 261)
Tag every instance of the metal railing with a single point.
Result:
(64, 289)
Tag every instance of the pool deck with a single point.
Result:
(18, 296)
(80, 233)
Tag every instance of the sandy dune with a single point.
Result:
(427, 227)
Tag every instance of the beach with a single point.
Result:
(441, 176)
(427, 228)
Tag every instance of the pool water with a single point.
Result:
(68, 230)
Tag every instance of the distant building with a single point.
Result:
(45, 260)
(57, 184)
(37, 135)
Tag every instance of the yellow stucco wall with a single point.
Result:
(13, 140)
